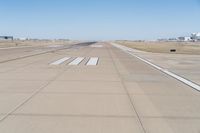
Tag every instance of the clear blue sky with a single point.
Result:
(99, 19)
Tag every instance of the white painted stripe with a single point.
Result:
(182, 79)
(97, 46)
(92, 61)
(54, 46)
(77, 61)
(58, 62)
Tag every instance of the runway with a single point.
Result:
(91, 88)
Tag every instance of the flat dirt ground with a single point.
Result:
(164, 47)
(15, 43)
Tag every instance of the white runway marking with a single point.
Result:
(92, 61)
(77, 61)
(58, 62)
(182, 79)
(97, 46)
(54, 46)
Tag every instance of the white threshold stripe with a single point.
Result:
(76, 61)
(58, 62)
(182, 79)
(92, 61)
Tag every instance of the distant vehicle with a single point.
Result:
(6, 38)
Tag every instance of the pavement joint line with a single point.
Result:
(127, 93)
(102, 116)
(75, 115)
(25, 80)
(100, 81)
(93, 93)
(32, 95)
(89, 80)
(171, 117)
(15, 92)
(84, 93)
(171, 74)
(175, 95)
(62, 80)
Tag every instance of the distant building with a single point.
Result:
(184, 39)
(163, 40)
(172, 39)
(23, 39)
(6, 38)
(195, 36)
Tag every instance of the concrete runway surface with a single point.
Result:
(92, 88)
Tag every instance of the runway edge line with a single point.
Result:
(175, 76)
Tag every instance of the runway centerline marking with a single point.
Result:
(58, 62)
(76, 61)
(175, 76)
(92, 61)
